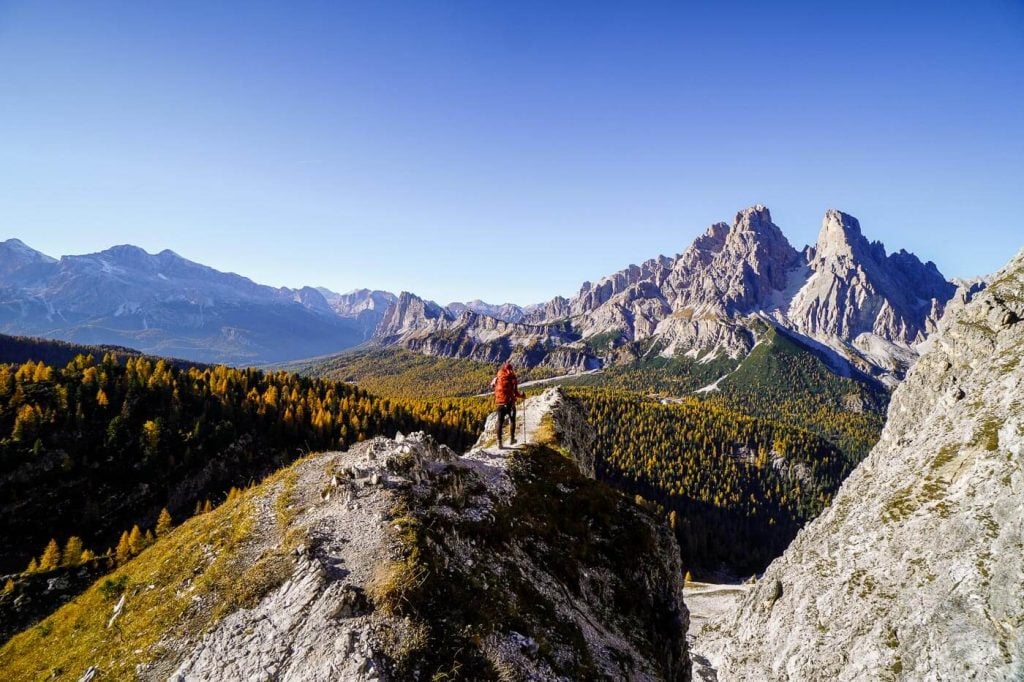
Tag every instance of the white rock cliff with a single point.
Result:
(915, 571)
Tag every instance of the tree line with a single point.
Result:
(97, 446)
(734, 488)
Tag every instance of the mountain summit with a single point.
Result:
(844, 295)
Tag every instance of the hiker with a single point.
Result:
(506, 391)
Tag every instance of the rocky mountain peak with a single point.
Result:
(844, 293)
(15, 246)
(127, 253)
(713, 240)
(840, 236)
(756, 218)
(506, 312)
(15, 254)
(410, 313)
(733, 269)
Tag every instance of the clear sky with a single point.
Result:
(505, 150)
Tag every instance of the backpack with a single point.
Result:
(506, 386)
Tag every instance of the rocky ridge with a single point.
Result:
(915, 570)
(164, 304)
(844, 295)
(398, 559)
(343, 614)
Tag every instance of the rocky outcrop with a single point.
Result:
(552, 419)
(397, 560)
(491, 590)
(915, 570)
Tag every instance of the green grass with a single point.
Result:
(987, 434)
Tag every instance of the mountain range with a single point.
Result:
(167, 305)
(845, 296)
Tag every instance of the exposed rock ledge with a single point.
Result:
(499, 564)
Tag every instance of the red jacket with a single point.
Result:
(506, 385)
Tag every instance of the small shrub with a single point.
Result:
(112, 588)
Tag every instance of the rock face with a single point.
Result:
(365, 306)
(15, 255)
(424, 326)
(400, 560)
(508, 312)
(845, 294)
(858, 298)
(915, 570)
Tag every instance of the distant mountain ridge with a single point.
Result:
(167, 305)
(844, 295)
(164, 304)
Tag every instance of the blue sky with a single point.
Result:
(506, 151)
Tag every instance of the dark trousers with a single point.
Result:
(510, 412)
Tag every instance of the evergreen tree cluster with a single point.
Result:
(735, 488)
(99, 445)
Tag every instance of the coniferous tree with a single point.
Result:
(164, 522)
(73, 551)
(135, 540)
(124, 549)
(143, 421)
(51, 557)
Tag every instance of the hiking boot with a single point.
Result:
(513, 440)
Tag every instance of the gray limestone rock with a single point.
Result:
(845, 295)
(915, 570)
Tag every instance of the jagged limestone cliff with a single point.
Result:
(916, 570)
(397, 560)
(862, 306)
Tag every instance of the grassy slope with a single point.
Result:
(784, 381)
(179, 587)
(396, 372)
(401, 373)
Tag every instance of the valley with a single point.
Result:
(733, 429)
